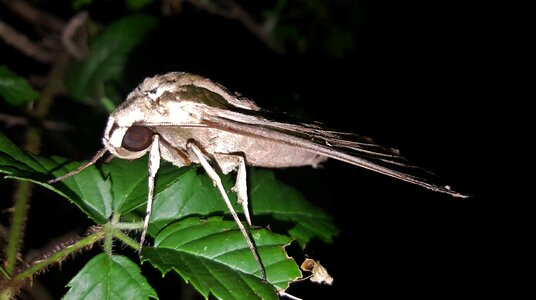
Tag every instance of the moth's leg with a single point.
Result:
(82, 167)
(228, 163)
(217, 181)
(154, 165)
(291, 297)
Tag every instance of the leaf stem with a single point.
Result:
(129, 226)
(125, 239)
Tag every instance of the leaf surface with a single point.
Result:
(108, 56)
(88, 189)
(213, 255)
(15, 89)
(105, 277)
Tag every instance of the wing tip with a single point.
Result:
(448, 190)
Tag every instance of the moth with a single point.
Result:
(188, 119)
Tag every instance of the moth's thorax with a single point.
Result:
(189, 87)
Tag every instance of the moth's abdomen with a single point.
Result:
(275, 155)
(266, 153)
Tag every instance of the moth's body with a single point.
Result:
(184, 119)
(257, 151)
(182, 108)
(176, 115)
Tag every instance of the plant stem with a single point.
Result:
(22, 195)
(113, 230)
(23, 191)
(108, 236)
(57, 257)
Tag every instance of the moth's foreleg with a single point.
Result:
(217, 181)
(154, 165)
(93, 160)
(228, 163)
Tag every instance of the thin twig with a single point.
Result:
(11, 120)
(69, 32)
(56, 257)
(33, 15)
(25, 45)
(232, 10)
(54, 245)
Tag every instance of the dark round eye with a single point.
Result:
(137, 138)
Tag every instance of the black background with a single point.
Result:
(419, 79)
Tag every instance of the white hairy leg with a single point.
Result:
(154, 165)
(228, 163)
(217, 181)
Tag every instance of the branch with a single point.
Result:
(232, 10)
(56, 257)
(11, 120)
(68, 36)
(75, 45)
(33, 15)
(23, 44)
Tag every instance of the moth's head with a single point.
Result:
(127, 134)
(127, 142)
(157, 101)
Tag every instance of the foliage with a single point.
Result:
(109, 51)
(189, 223)
(179, 194)
(15, 89)
(109, 277)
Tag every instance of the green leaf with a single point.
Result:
(179, 192)
(17, 162)
(88, 190)
(14, 89)
(105, 277)
(285, 203)
(108, 55)
(186, 193)
(121, 187)
(213, 255)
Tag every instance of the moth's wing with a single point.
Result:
(347, 147)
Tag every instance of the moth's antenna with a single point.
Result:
(92, 161)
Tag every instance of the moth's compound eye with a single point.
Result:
(137, 138)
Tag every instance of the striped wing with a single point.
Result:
(347, 147)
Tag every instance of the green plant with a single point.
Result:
(192, 234)
(191, 238)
